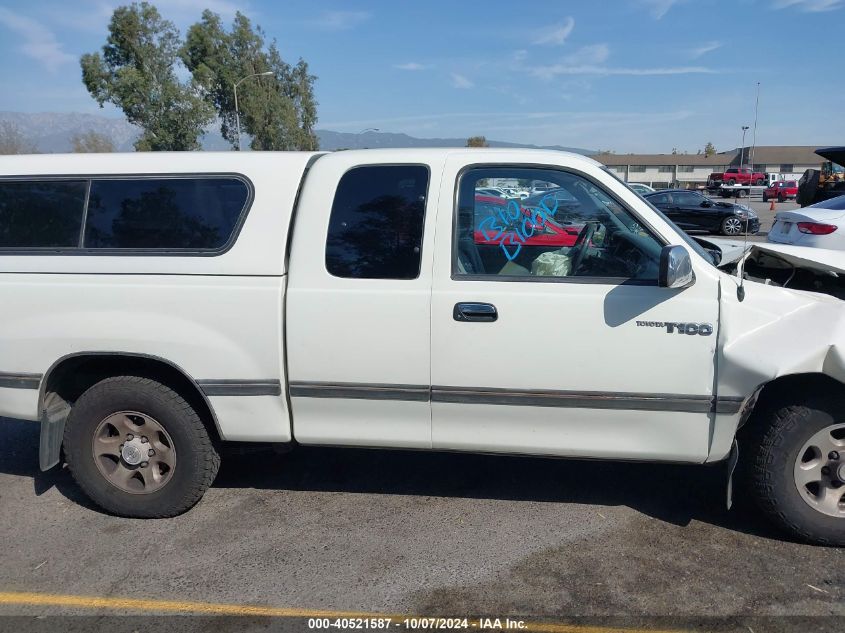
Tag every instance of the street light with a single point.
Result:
(742, 148)
(237, 114)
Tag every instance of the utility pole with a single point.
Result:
(237, 114)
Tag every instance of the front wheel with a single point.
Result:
(731, 226)
(797, 470)
(781, 198)
(765, 197)
(138, 449)
(760, 182)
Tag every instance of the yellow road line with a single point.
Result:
(212, 608)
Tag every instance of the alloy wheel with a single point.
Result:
(134, 452)
(733, 226)
(819, 471)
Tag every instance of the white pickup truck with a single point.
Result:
(156, 306)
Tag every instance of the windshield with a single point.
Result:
(695, 246)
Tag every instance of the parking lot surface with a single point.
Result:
(767, 216)
(415, 532)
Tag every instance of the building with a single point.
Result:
(692, 170)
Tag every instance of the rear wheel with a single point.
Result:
(731, 226)
(138, 449)
(732, 182)
(760, 181)
(740, 193)
(797, 469)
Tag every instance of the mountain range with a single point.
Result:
(52, 132)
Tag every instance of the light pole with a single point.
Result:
(237, 114)
(742, 148)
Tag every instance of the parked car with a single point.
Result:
(565, 204)
(491, 191)
(159, 305)
(821, 225)
(542, 187)
(641, 188)
(783, 190)
(693, 211)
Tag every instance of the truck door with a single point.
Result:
(546, 347)
(359, 301)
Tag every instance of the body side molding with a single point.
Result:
(518, 397)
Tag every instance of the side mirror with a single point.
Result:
(675, 268)
(706, 203)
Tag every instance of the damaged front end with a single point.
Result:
(793, 267)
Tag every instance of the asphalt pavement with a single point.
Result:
(413, 532)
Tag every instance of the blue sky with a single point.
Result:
(626, 75)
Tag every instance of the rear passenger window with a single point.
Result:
(172, 213)
(46, 214)
(376, 223)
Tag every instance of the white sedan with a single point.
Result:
(821, 225)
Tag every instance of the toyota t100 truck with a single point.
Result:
(157, 306)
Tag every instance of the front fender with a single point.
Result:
(773, 332)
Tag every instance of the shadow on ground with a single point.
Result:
(676, 494)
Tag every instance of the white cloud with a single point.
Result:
(519, 55)
(557, 34)
(812, 6)
(587, 55)
(550, 72)
(459, 81)
(659, 8)
(708, 47)
(412, 66)
(340, 20)
(39, 42)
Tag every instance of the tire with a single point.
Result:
(740, 193)
(776, 446)
(781, 198)
(732, 182)
(760, 182)
(765, 197)
(730, 227)
(107, 413)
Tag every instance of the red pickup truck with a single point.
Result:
(743, 176)
(782, 190)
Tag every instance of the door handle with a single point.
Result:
(475, 312)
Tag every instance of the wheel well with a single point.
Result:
(71, 376)
(793, 389)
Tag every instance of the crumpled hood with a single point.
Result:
(816, 259)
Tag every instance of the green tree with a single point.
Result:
(709, 149)
(137, 73)
(91, 142)
(278, 111)
(477, 141)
